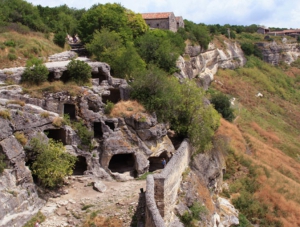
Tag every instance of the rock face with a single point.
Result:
(120, 149)
(204, 65)
(274, 53)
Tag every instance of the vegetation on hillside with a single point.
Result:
(52, 163)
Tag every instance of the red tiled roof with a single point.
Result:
(292, 30)
(156, 15)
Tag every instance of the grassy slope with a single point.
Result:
(25, 46)
(267, 131)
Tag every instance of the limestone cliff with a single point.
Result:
(274, 53)
(204, 64)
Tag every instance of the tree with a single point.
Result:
(35, 72)
(222, 105)
(79, 72)
(52, 163)
(60, 39)
(124, 60)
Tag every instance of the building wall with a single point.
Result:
(172, 23)
(180, 22)
(165, 188)
(158, 23)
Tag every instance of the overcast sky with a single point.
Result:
(271, 13)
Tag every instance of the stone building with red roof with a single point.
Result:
(165, 20)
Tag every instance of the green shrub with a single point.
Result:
(222, 105)
(48, 174)
(186, 218)
(79, 72)
(10, 43)
(60, 39)
(109, 106)
(35, 72)
(12, 57)
(83, 132)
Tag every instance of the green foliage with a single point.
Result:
(109, 106)
(52, 163)
(222, 105)
(243, 221)
(11, 57)
(2, 163)
(198, 33)
(40, 217)
(181, 105)
(83, 132)
(107, 46)
(298, 39)
(194, 213)
(10, 43)
(160, 47)
(60, 39)
(79, 71)
(35, 72)
(250, 48)
(114, 17)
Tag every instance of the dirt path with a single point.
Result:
(116, 206)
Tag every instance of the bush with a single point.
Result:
(222, 105)
(21, 138)
(83, 132)
(35, 72)
(52, 163)
(10, 43)
(5, 114)
(11, 57)
(79, 71)
(108, 108)
(60, 39)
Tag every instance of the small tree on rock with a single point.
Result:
(79, 72)
(35, 72)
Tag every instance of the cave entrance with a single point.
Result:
(122, 163)
(70, 110)
(57, 134)
(98, 130)
(156, 162)
(99, 75)
(114, 97)
(29, 163)
(80, 166)
(110, 124)
(176, 140)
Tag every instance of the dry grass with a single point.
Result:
(18, 102)
(57, 121)
(28, 45)
(5, 114)
(103, 222)
(57, 86)
(268, 135)
(21, 138)
(127, 109)
(45, 114)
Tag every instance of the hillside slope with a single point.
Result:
(264, 137)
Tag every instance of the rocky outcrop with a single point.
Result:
(120, 149)
(274, 53)
(204, 65)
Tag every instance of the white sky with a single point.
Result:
(271, 13)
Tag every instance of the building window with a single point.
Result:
(157, 25)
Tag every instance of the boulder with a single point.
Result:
(99, 186)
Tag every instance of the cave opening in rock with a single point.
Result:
(110, 124)
(122, 163)
(114, 97)
(176, 140)
(99, 75)
(57, 135)
(51, 77)
(70, 110)
(28, 163)
(155, 163)
(80, 166)
(98, 130)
